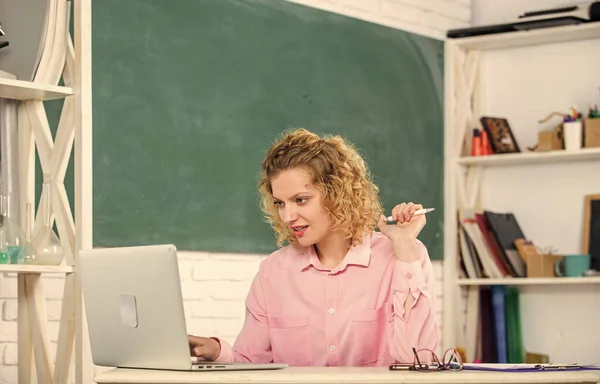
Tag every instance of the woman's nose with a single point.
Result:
(289, 214)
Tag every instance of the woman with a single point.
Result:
(340, 294)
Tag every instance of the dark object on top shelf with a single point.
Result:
(2, 43)
(546, 18)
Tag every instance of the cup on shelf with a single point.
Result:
(573, 135)
(573, 265)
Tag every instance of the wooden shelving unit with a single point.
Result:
(527, 38)
(16, 268)
(528, 158)
(67, 57)
(467, 77)
(26, 90)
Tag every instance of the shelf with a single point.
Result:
(26, 90)
(531, 37)
(532, 281)
(558, 156)
(17, 268)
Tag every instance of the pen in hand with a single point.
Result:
(391, 220)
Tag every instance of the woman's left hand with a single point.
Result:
(407, 226)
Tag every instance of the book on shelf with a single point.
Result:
(488, 326)
(487, 245)
(497, 336)
(492, 243)
(506, 229)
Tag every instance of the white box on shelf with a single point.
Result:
(573, 134)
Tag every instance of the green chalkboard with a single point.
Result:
(189, 94)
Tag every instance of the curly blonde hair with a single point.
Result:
(337, 170)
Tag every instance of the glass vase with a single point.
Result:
(28, 254)
(4, 258)
(14, 237)
(47, 245)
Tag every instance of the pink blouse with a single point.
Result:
(300, 312)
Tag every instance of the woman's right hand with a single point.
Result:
(204, 348)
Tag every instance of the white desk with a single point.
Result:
(297, 375)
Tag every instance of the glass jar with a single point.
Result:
(14, 237)
(47, 245)
(4, 258)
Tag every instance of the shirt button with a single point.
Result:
(331, 311)
(332, 348)
(408, 276)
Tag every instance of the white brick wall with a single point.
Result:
(427, 17)
(215, 285)
(53, 289)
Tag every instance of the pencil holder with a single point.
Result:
(573, 135)
(591, 132)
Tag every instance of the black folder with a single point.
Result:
(506, 230)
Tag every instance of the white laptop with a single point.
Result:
(135, 310)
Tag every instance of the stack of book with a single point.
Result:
(488, 250)
(487, 245)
